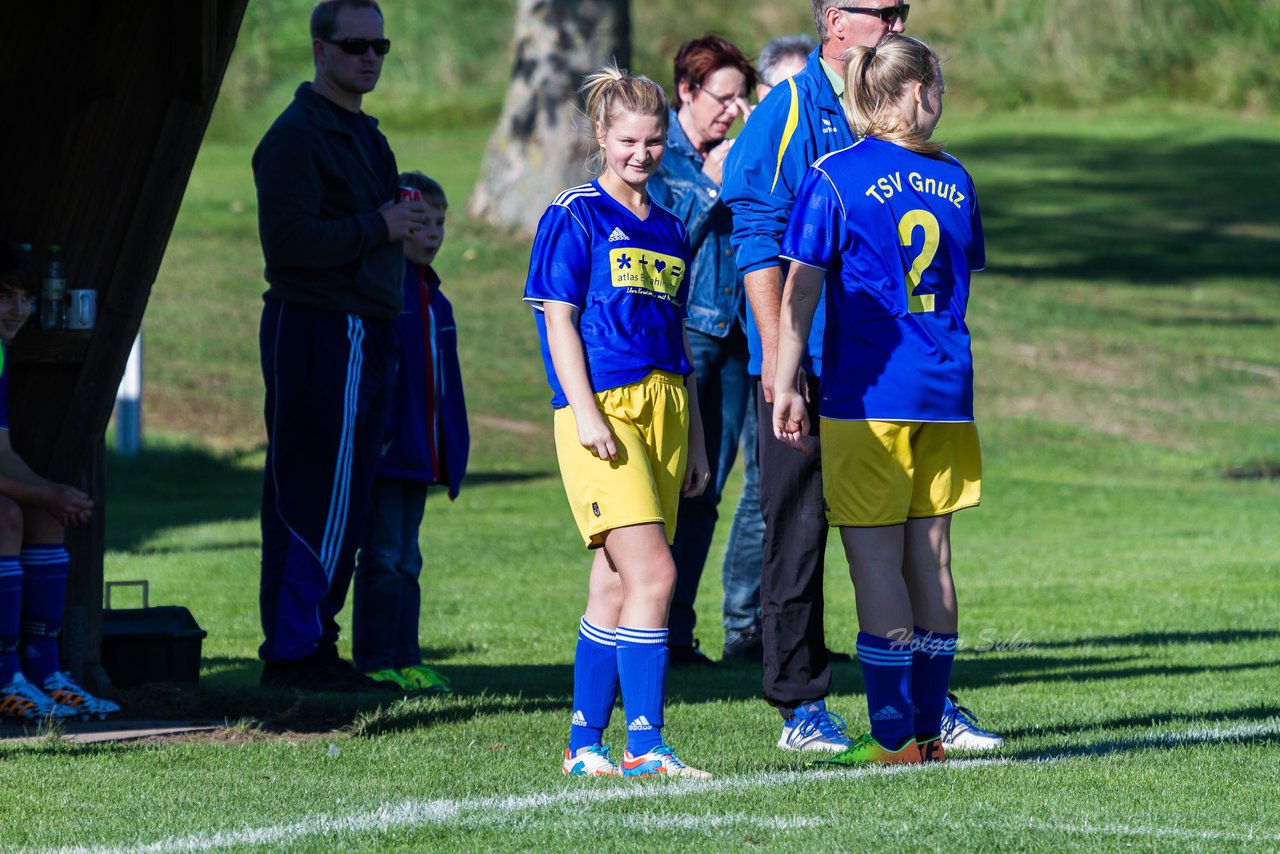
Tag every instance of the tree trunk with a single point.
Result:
(541, 142)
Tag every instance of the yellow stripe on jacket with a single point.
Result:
(788, 130)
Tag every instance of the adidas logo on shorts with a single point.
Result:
(578, 719)
(888, 713)
(640, 723)
(618, 234)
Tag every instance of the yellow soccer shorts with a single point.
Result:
(884, 472)
(650, 424)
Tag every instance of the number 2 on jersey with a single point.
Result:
(919, 303)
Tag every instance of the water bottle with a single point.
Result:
(53, 292)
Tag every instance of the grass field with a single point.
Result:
(1120, 586)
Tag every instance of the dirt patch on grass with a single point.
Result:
(510, 425)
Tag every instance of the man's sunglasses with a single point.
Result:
(358, 47)
(888, 14)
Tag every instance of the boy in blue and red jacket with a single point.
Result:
(426, 442)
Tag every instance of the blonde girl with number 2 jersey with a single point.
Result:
(891, 226)
(607, 280)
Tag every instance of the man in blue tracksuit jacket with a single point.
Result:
(798, 122)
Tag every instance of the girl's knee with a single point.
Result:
(656, 585)
(39, 526)
(11, 524)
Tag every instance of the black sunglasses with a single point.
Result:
(888, 14)
(358, 47)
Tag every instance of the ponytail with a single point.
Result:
(876, 79)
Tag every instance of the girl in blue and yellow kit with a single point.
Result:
(607, 280)
(891, 226)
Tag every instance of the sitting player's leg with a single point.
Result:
(10, 589)
(642, 558)
(18, 697)
(595, 674)
(44, 589)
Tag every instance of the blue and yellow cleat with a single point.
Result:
(592, 761)
(661, 761)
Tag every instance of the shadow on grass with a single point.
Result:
(1217, 728)
(229, 692)
(1252, 714)
(968, 674)
(1157, 212)
(1028, 663)
(229, 689)
(1140, 639)
(169, 487)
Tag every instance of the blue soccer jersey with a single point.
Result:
(626, 277)
(898, 234)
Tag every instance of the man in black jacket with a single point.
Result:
(331, 230)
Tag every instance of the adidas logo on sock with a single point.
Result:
(888, 713)
(618, 234)
(640, 723)
(578, 719)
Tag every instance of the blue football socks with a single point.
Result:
(10, 616)
(642, 672)
(595, 685)
(930, 675)
(886, 670)
(44, 591)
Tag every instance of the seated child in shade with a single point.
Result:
(33, 562)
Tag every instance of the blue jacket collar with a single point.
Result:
(827, 98)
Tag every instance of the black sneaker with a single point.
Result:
(689, 655)
(319, 671)
(746, 645)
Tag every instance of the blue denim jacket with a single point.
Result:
(717, 299)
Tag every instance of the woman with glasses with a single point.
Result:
(891, 226)
(712, 79)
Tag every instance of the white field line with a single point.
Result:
(1087, 828)
(499, 810)
(411, 813)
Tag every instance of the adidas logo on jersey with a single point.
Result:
(888, 713)
(640, 723)
(618, 234)
(578, 719)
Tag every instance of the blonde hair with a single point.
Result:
(875, 82)
(610, 92)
